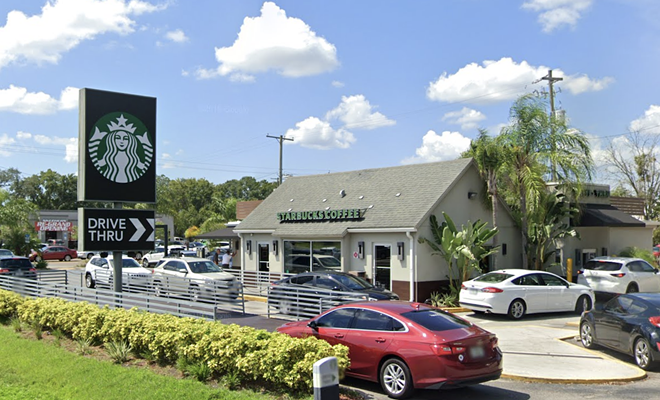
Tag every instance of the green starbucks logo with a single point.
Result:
(120, 147)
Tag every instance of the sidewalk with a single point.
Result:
(532, 352)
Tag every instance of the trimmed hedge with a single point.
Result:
(244, 352)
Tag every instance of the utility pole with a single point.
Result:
(551, 80)
(280, 139)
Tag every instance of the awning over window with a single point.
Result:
(605, 215)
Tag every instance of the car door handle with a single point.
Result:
(380, 340)
(339, 335)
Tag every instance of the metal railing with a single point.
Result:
(211, 304)
(257, 282)
(303, 302)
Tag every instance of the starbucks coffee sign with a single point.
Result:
(117, 147)
(320, 215)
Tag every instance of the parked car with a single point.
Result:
(194, 277)
(101, 269)
(20, 267)
(6, 253)
(54, 253)
(517, 292)
(337, 281)
(656, 251)
(151, 258)
(406, 346)
(620, 275)
(629, 323)
(297, 263)
(85, 255)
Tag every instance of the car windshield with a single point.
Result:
(14, 263)
(603, 266)
(329, 262)
(435, 320)
(493, 277)
(353, 282)
(126, 263)
(202, 267)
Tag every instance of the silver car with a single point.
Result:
(194, 278)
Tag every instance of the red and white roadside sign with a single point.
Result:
(53, 226)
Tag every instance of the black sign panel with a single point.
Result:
(117, 147)
(116, 229)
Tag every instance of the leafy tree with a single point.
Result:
(634, 165)
(549, 221)
(48, 190)
(192, 232)
(247, 188)
(466, 246)
(535, 147)
(15, 224)
(487, 154)
(10, 177)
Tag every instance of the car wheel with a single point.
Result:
(194, 293)
(517, 309)
(587, 335)
(583, 304)
(642, 353)
(632, 288)
(67, 258)
(89, 281)
(90, 255)
(145, 263)
(37, 258)
(395, 379)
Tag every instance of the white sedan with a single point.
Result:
(196, 278)
(99, 270)
(517, 292)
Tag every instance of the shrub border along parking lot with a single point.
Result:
(228, 350)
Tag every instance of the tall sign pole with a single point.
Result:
(551, 81)
(116, 165)
(280, 139)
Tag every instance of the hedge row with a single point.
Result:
(245, 352)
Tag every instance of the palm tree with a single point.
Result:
(486, 153)
(534, 147)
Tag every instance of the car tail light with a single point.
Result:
(619, 275)
(4, 271)
(580, 272)
(463, 287)
(492, 290)
(655, 321)
(32, 270)
(447, 349)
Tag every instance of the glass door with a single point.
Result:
(383, 255)
(263, 252)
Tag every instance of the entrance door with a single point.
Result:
(263, 252)
(383, 255)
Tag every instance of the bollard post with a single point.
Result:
(326, 379)
(569, 269)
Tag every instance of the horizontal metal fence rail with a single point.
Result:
(213, 307)
(303, 302)
(257, 282)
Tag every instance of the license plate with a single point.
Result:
(19, 273)
(472, 291)
(477, 352)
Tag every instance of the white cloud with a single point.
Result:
(467, 118)
(444, 147)
(317, 134)
(62, 25)
(23, 135)
(649, 123)
(356, 113)
(338, 84)
(177, 36)
(19, 100)
(5, 140)
(70, 145)
(557, 13)
(503, 80)
(274, 41)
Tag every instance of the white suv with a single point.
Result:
(195, 278)
(151, 258)
(620, 275)
(99, 270)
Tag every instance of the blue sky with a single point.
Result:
(356, 84)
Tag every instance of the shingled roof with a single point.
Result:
(393, 198)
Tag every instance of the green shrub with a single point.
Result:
(119, 351)
(41, 264)
(636, 252)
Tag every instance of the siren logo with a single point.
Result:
(120, 147)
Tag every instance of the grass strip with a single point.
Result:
(34, 369)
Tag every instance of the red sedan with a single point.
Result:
(54, 253)
(406, 346)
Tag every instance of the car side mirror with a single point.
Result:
(313, 325)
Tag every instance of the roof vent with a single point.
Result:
(327, 208)
(342, 193)
(324, 200)
(289, 210)
(291, 200)
(398, 194)
(360, 197)
(371, 206)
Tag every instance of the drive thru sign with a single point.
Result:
(116, 229)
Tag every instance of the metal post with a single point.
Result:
(280, 139)
(117, 264)
(569, 269)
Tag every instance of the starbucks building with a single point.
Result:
(369, 223)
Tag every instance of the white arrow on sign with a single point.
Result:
(139, 229)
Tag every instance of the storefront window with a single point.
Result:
(304, 256)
